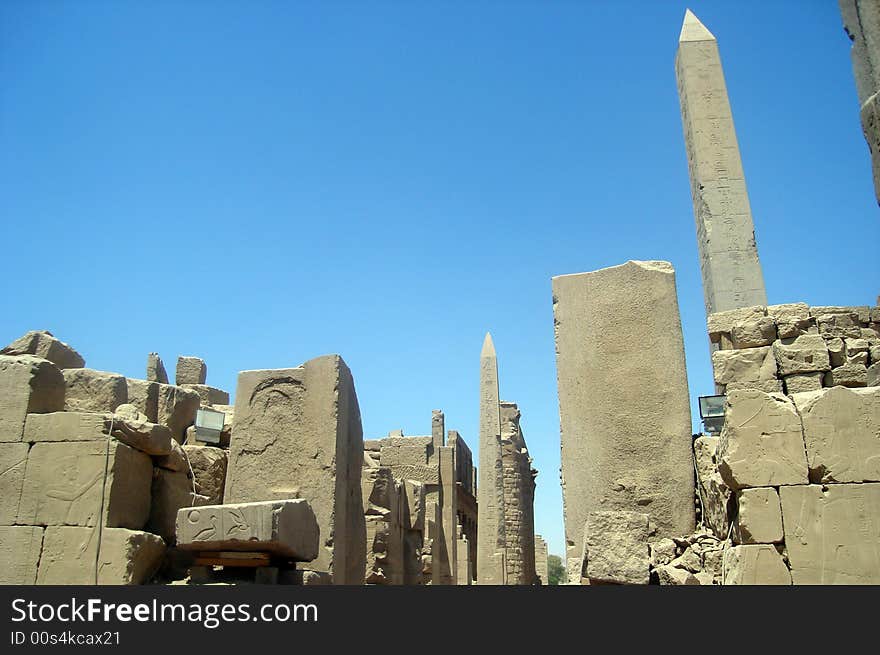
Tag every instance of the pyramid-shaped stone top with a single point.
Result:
(693, 30)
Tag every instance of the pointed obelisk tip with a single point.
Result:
(693, 30)
(488, 347)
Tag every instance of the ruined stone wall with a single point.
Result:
(519, 495)
(542, 570)
(795, 348)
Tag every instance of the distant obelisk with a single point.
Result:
(732, 276)
(490, 491)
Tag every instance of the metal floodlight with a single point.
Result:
(209, 425)
(712, 413)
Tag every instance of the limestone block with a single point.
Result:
(668, 575)
(68, 483)
(755, 565)
(13, 459)
(616, 547)
(625, 417)
(146, 437)
(761, 442)
(841, 434)
(174, 461)
(209, 467)
(42, 344)
(298, 435)
(759, 517)
(27, 385)
(156, 369)
(792, 319)
(836, 351)
(144, 395)
(177, 409)
(228, 420)
(69, 556)
(839, 325)
(190, 370)
(802, 382)
(874, 352)
(415, 504)
(767, 386)
(872, 375)
(857, 359)
(20, 547)
(860, 313)
(128, 557)
(832, 534)
(804, 354)
(170, 492)
(88, 390)
(849, 375)
(287, 528)
(754, 333)
(662, 552)
(714, 492)
(378, 491)
(855, 347)
(721, 323)
(209, 396)
(744, 366)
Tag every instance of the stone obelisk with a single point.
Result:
(732, 276)
(490, 491)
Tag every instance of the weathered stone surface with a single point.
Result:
(176, 460)
(859, 313)
(836, 351)
(662, 552)
(767, 386)
(759, 517)
(752, 365)
(802, 382)
(28, 385)
(872, 375)
(838, 325)
(755, 333)
(177, 409)
(209, 467)
(542, 553)
(832, 533)
(88, 390)
(714, 492)
(144, 395)
(128, 557)
(761, 443)
(731, 271)
(298, 435)
(755, 565)
(805, 354)
(69, 483)
(13, 459)
(670, 575)
(209, 395)
(190, 370)
(286, 528)
(720, 324)
(69, 556)
(131, 430)
(849, 375)
(519, 498)
(156, 369)
(625, 417)
(20, 547)
(616, 547)
(42, 344)
(792, 319)
(170, 492)
(842, 434)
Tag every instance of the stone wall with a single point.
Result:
(794, 348)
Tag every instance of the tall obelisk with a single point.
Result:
(732, 276)
(490, 491)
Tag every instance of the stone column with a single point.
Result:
(732, 276)
(490, 490)
(438, 429)
(861, 20)
(449, 518)
(519, 486)
(542, 570)
(298, 435)
(623, 399)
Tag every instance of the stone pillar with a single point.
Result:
(490, 491)
(542, 566)
(298, 435)
(861, 20)
(623, 399)
(519, 487)
(438, 429)
(732, 276)
(448, 554)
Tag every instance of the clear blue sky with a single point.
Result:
(260, 183)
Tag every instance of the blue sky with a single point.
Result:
(261, 183)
